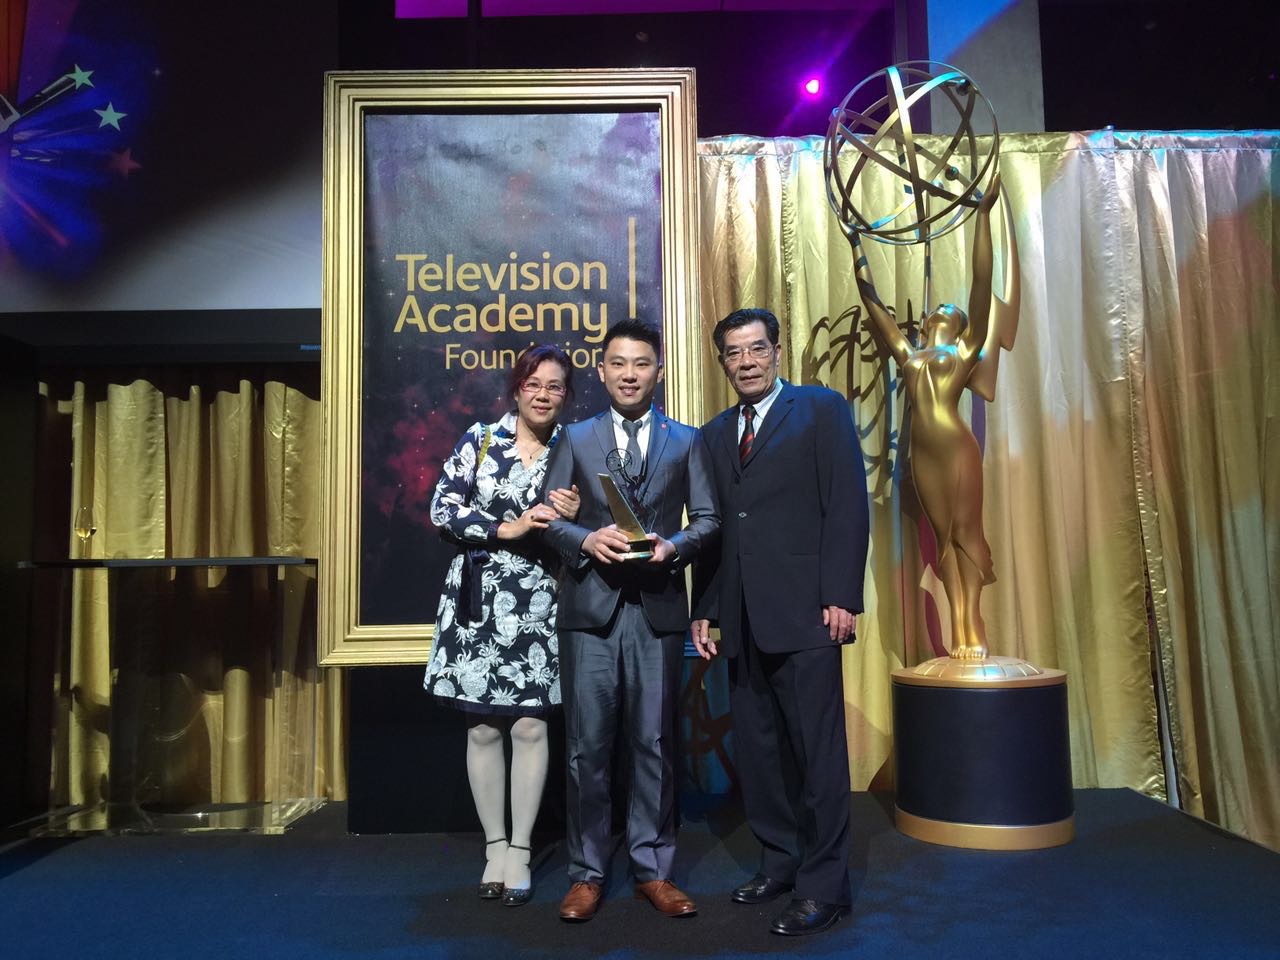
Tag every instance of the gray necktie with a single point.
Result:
(632, 429)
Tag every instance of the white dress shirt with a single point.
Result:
(642, 436)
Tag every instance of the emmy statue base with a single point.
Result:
(983, 755)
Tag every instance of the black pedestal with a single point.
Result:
(980, 764)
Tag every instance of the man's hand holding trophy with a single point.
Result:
(628, 538)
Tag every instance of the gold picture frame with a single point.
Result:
(351, 99)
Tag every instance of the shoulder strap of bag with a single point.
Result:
(484, 449)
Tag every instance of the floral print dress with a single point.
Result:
(507, 661)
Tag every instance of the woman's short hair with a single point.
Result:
(531, 359)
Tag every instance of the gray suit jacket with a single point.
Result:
(678, 474)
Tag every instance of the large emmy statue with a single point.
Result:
(981, 746)
(958, 349)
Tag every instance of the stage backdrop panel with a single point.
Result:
(470, 216)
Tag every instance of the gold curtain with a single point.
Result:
(1201, 256)
(184, 462)
(1149, 272)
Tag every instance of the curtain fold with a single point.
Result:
(1083, 495)
(219, 663)
(1206, 262)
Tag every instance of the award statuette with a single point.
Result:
(981, 745)
(622, 490)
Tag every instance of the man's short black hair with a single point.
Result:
(742, 318)
(634, 330)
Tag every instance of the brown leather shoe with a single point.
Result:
(669, 900)
(581, 902)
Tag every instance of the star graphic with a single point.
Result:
(81, 77)
(110, 116)
(123, 163)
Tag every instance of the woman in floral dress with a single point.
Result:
(495, 653)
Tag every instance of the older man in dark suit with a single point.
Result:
(622, 622)
(784, 589)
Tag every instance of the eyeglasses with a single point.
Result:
(537, 386)
(757, 351)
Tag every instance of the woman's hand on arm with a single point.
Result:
(535, 518)
(566, 502)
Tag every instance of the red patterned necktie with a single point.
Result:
(748, 433)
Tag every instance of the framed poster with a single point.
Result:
(468, 216)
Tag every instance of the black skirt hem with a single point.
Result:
(495, 709)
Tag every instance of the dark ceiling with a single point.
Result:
(1133, 64)
(750, 65)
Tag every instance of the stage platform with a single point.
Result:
(1140, 880)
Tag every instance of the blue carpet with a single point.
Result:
(1140, 880)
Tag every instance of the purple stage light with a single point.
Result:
(433, 9)
(813, 86)
(430, 9)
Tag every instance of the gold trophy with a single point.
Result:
(954, 784)
(622, 489)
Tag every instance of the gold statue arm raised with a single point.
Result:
(880, 321)
(992, 327)
(974, 337)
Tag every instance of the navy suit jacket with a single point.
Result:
(794, 523)
(677, 474)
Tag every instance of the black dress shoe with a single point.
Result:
(806, 916)
(759, 889)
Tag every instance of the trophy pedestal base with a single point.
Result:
(641, 549)
(983, 756)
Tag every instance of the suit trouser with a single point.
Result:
(793, 763)
(622, 678)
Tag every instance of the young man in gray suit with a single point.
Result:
(622, 622)
(785, 587)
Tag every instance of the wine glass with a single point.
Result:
(85, 528)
